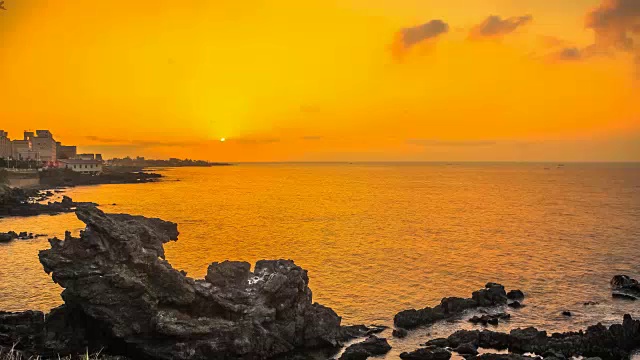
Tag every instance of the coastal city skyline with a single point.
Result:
(388, 81)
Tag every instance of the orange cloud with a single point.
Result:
(495, 26)
(412, 36)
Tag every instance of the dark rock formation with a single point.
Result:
(466, 349)
(492, 295)
(19, 202)
(515, 295)
(400, 333)
(351, 332)
(489, 319)
(122, 295)
(623, 286)
(66, 177)
(12, 235)
(427, 353)
(615, 342)
(567, 313)
(515, 304)
(370, 347)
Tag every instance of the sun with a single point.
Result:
(223, 139)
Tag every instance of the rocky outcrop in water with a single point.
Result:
(490, 319)
(492, 295)
(615, 342)
(622, 286)
(122, 295)
(371, 346)
(66, 177)
(20, 202)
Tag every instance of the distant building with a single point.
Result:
(23, 150)
(82, 166)
(86, 156)
(5, 145)
(44, 144)
(65, 151)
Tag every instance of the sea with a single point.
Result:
(378, 238)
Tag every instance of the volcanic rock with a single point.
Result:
(515, 295)
(370, 347)
(492, 295)
(122, 295)
(623, 286)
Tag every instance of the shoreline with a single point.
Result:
(186, 322)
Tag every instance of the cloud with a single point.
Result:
(254, 141)
(414, 35)
(570, 53)
(136, 143)
(312, 138)
(614, 23)
(495, 26)
(451, 143)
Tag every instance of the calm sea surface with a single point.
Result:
(380, 238)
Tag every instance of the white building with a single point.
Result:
(82, 166)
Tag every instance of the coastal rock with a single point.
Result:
(489, 319)
(623, 286)
(427, 353)
(515, 295)
(116, 279)
(370, 347)
(466, 349)
(20, 202)
(400, 333)
(350, 332)
(492, 295)
(615, 342)
(515, 304)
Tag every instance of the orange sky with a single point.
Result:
(286, 80)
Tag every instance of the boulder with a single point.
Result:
(622, 286)
(370, 347)
(121, 294)
(350, 332)
(466, 349)
(515, 295)
(400, 333)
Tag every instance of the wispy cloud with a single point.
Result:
(414, 35)
(496, 26)
(451, 143)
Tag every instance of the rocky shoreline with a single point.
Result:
(20, 202)
(121, 297)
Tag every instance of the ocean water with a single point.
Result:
(380, 238)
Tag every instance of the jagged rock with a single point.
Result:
(492, 295)
(515, 295)
(121, 294)
(427, 353)
(400, 333)
(370, 347)
(623, 286)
